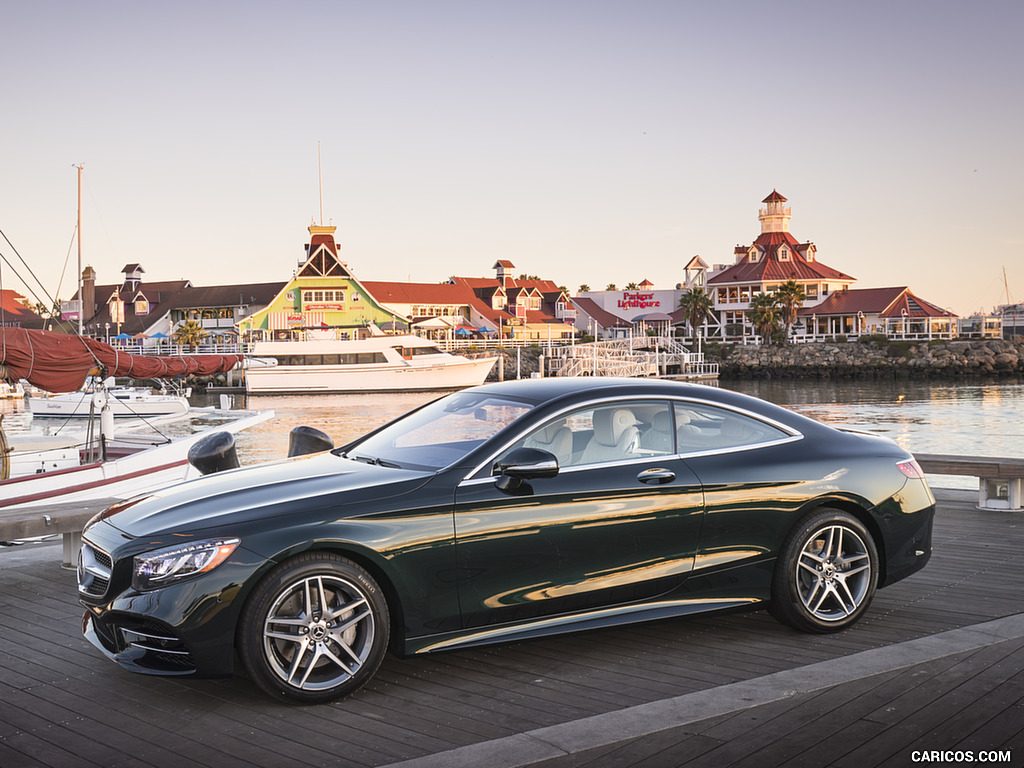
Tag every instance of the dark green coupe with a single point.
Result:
(498, 513)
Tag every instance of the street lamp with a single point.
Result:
(106, 327)
(903, 313)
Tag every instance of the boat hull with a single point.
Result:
(373, 377)
(118, 478)
(64, 406)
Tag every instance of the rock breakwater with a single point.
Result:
(871, 358)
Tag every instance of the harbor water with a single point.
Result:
(970, 419)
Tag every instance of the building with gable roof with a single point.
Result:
(323, 296)
(521, 308)
(140, 310)
(16, 313)
(774, 258)
(831, 307)
(890, 311)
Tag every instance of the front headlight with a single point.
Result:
(166, 566)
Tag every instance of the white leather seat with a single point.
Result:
(659, 436)
(615, 436)
(555, 438)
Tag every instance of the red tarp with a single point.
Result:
(60, 362)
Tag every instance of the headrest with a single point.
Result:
(609, 425)
(662, 422)
(548, 434)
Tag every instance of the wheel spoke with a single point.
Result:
(299, 654)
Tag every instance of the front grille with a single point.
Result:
(94, 570)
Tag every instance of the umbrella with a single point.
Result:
(158, 336)
(122, 336)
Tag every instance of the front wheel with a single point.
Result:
(315, 629)
(826, 573)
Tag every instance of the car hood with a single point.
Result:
(302, 484)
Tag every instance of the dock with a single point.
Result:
(936, 664)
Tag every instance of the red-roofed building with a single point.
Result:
(775, 257)
(520, 308)
(15, 312)
(831, 307)
(892, 311)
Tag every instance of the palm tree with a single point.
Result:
(697, 305)
(584, 288)
(189, 334)
(632, 286)
(789, 297)
(764, 314)
(611, 287)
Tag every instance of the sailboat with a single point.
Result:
(35, 470)
(38, 471)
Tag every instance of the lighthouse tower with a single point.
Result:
(775, 216)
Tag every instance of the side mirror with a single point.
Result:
(524, 464)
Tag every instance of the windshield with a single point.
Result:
(440, 433)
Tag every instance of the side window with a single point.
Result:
(702, 427)
(607, 433)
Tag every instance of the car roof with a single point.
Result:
(549, 390)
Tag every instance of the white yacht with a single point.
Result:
(377, 364)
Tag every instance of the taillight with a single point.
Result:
(911, 469)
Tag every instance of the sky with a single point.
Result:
(587, 141)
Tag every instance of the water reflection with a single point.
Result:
(948, 417)
(926, 417)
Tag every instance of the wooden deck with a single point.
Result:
(63, 704)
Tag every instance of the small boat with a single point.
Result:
(120, 463)
(376, 364)
(124, 402)
(49, 470)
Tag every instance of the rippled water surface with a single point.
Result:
(926, 417)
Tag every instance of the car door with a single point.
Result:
(617, 524)
(755, 475)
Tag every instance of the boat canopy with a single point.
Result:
(61, 362)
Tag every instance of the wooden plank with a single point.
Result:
(22, 522)
(974, 466)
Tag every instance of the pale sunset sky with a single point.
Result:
(587, 141)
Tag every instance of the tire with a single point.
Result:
(826, 573)
(314, 630)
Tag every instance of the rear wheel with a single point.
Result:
(314, 630)
(826, 574)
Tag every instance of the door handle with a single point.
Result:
(656, 476)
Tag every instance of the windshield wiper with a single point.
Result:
(379, 462)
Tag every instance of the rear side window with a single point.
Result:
(702, 427)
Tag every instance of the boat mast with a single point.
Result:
(320, 182)
(81, 303)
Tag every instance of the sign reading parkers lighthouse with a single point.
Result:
(635, 300)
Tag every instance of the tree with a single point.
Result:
(764, 314)
(611, 287)
(697, 304)
(632, 287)
(189, 334)
(584, 288)
(789, 297)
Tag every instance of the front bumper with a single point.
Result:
(186, 628)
